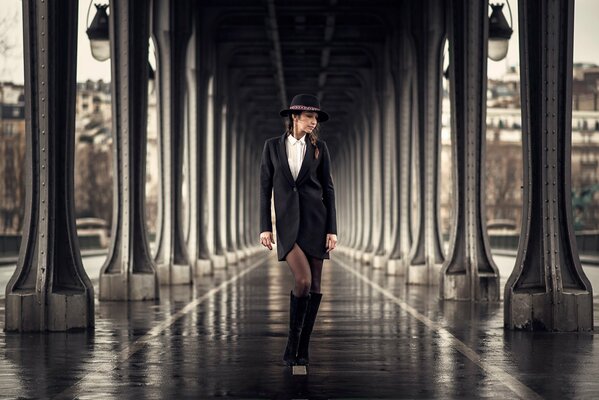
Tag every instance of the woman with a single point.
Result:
(297, 165)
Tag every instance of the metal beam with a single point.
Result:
(273, 31)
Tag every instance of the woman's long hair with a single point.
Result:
(312, 136)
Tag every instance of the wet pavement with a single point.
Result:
(374, 338)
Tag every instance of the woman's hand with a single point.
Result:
(331, 241)
(267, 239)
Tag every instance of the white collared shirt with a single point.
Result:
(296, 149)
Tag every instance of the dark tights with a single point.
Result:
(306, 271)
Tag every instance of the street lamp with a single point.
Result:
(499, 32)
(97, 33)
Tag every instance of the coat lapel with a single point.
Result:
(306, 163)
(283, 159)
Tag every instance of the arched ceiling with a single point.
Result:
(271, 50)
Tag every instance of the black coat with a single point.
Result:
(305, 208)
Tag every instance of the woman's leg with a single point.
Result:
(300, 267)
(316, 271)
(298, 300)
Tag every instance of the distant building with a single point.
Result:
(504, 167)
(585, 87)
(12, 153)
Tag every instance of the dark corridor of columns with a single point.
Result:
(202, 312)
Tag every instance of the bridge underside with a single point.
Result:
(224, 70)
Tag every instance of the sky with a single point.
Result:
(586, 45)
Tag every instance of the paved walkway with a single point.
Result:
(374, 338)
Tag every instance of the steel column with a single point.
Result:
(172, 30)
(548, 289)
(368, 188)
(241, 233)
(129, 272)
(218, 188)
(49, 290)
(231, 160)
(197, 80)
(426, 255)
(385, 136)
(198, 241)
(469, 272)
(351, 191)
(403, 71)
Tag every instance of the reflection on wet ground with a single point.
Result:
(224, 338)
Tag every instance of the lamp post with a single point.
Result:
(98, 33)
(499, 33)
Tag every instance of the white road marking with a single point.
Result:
(76, 389)
(519, 389)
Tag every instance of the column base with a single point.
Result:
(137, 286)
(395, 267)
(458, 287)
(366, 258)
(203, 267)
(175, 274)
(219, 261)
(535, 312)
(423, 274)
(231, 257)
(246, 253)
(240, 254)
(63, 312)
(379, 261)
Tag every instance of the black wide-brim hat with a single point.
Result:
(305, 102)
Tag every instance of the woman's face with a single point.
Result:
(306, 121)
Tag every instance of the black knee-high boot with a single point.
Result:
(297, 312)
(302, 351)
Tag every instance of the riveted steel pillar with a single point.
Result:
(391, 190)
(198, 79)
(365, 192)
(377, 256)
(469, 272)
(346, 193)
(172, 27)
(198, 240)
(403, 75)
(129, 272)
(241, 232)
(368, 182)
(219, 143)
(49, 290)
(358, 167)
(230, 162)
(548, 289)
(426, 255)
(350, 192)
(340, 187)
(385, 137)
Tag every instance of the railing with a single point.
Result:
(587, 242)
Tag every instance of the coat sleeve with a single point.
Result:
(266, 173)
(328, 190)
